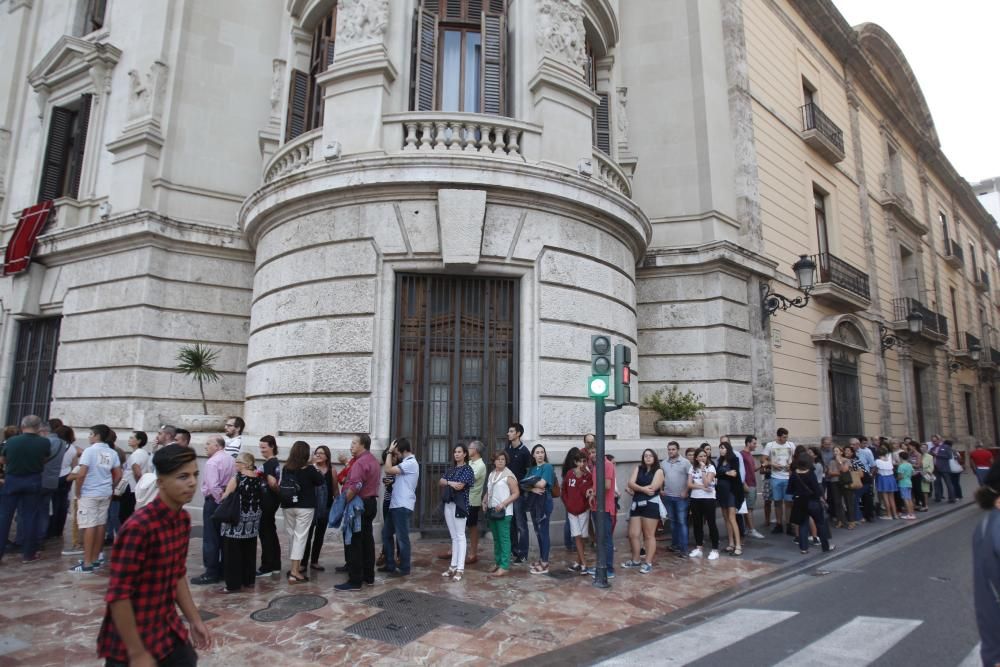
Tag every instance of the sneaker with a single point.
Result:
(519, 560)
(682, 555)
(575, 567)
(713, 555)
(696, 553)
(72, 551)
(592, 571)
(645, 568)
(755, 534)
(347, 586)
(80, 567)
(814, 540)
(629, 564)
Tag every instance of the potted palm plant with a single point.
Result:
(678, 411)
(198, 362)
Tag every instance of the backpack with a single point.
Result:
(288, 488)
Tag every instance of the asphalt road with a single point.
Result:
(906, 600)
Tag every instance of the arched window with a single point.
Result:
(305, 98)
(459, 59)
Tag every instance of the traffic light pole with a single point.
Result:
(600, 516)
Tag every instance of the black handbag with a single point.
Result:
(228, 510)
(496, 514)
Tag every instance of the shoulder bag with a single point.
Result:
(228, 510)
(954, 466)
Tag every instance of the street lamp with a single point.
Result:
(889, 340)
(805, 275)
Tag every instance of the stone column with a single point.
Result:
(356, 87)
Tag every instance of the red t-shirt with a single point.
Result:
(574, 491)
(609, 495)
(981, 458)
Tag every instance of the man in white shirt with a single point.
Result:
(234, 435)
(100, 471)
(403, 464)
(779, 453)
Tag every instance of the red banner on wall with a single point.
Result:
(22, 243)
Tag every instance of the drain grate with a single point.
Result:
(439, 610)
(286, 606)
(771, 559)
(392, 628)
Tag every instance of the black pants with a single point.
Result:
(270, 548)
(814, 510)
(239, 562)
(314, 543)
(60, 508)
(919, 499)
(703, 509)
(183, 655)
(361, 551)
(126, 505)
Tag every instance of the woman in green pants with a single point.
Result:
(501, 492)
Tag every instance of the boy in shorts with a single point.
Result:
(904, 473)
(574, 496)
(100, 470)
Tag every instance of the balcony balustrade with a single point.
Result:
(981, 280)
(840, 283)
(821, 133)
(935, 325)
(953, 254)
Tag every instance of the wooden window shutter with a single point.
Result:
(298, 93)
(493, 75)
(497, 6)
(602, 124)
(425, 31)
(79, 146)
(56, 154)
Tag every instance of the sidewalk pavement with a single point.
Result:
(49, 616)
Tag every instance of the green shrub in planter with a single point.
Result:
(674, 405)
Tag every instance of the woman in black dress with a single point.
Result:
(270, 548)
(729, 494)
(807, 502)
(324, 501)
(239, 540)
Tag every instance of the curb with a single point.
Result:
(614, 643)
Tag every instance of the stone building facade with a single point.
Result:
(407, 217)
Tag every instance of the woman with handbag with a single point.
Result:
(839, 477)
(807, 502)
(325, 493)
(539, 505)
(239, 536)
(297, 489)
(851, 483)
(501, 492)
(729, 494)
(455, 485)
(644, 514)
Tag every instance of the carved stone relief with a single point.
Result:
(361, 22)
(561, 33)
(621, 117)
(277, 85)
(146, 94)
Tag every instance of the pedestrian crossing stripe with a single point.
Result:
(871, 637)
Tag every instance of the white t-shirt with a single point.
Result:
(100, 461)
(234, 446)
(884, 467)
(141, 458)
(780, 455)
(67, 463)
(697, 477)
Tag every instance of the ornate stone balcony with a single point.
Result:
(608, 172)
(292, 156)
(460, 133)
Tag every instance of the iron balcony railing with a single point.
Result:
(834, 270)
(933, 322)
(995, 355)
(970, 342)
(984, 277)
(954, 249)
(814, 119)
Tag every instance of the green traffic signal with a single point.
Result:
(598, 386)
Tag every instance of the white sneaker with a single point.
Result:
(755, 534)
(696, 553)
(713, 555)
(72, 551)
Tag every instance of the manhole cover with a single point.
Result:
(432, 608)
(392, 628)
(287, 606)
(771, 559)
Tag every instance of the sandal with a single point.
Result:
(317, 567)
(292, 579)
(458, 575)
(738, 551)
(493, 569)
(730, 550)
(450, 572)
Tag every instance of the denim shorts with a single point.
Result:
(779, 490)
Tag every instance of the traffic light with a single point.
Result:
(600, 366)
(623, 374)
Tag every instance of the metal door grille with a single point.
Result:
(34, 368)
(454, 373)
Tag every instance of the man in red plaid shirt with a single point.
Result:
(141, 625)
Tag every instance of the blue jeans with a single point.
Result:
(942, 482)
(610, 548)
(114, 521)
(519, 542)
(399, 520)
(541, 512)
(677, 510)
(23, 494)
(387, 535)
(42, 518)
(211, 541)
(568, 541)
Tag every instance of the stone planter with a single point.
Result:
(201, 423)
(676, 428)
